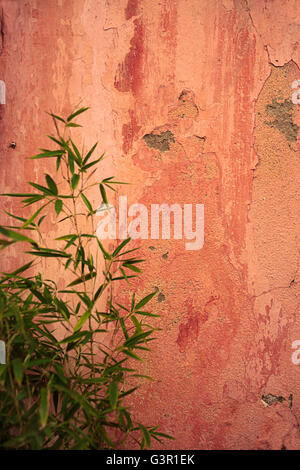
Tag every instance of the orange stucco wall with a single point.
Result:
(218, 75)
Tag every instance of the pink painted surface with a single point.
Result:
(217, 75)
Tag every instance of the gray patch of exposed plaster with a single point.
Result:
(159, 141)
(270, 399)
(282, 112)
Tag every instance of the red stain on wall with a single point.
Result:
(129, 132)
(131, 9)
(129, 73)
(188, 331)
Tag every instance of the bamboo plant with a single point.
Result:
(70, 351)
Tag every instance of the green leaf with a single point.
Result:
(119, 248)
(76, 113)
(136, 339)
(122, 323)
(131, 354)
(105, 253)
(41, 188)
(68, 263)
(128, 418)
(47, 253)
(132, 302)
(16, 236)
(58, 162)
(75, 337)
(48, 154)
(136, 323)
(85, 404)
(33, 199)
(94, 380)
(47, 334)
(77, 152)
(88, 302)
(21, 269)
(72, 156)
(146, 435)
(55, 397)
(132, 267)
(162, 434)
(83, 278)
(19, 195)
(113, 394)
(67, 237)
(58, 206)
(41, 220)
(99, 291)
(126, 252)
(124, 275)
(4, 243)
(145, 300)
(71, 161)
(62, 308)
(105, 437)
(108, 180)
(88, 155)
(89, 165)
(54, 139)
(141, 376)
(133, 261)
(44, 406)
(82, 320)
(147, 314)
(87, 202)
(51, 185)
(31, 219)
(15, 216)
(120, 278)
(3, 369)
(72, 124)
(71, 242)
(103, 193)
(17, 367)
(75, 180)
(56, 117)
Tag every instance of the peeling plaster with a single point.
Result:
(282, 114)
(159, 141)
(161, 297)
(270, 399)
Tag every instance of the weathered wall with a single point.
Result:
(216, 75)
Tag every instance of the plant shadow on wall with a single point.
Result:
(55, 392)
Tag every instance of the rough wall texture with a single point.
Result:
(193, 100)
